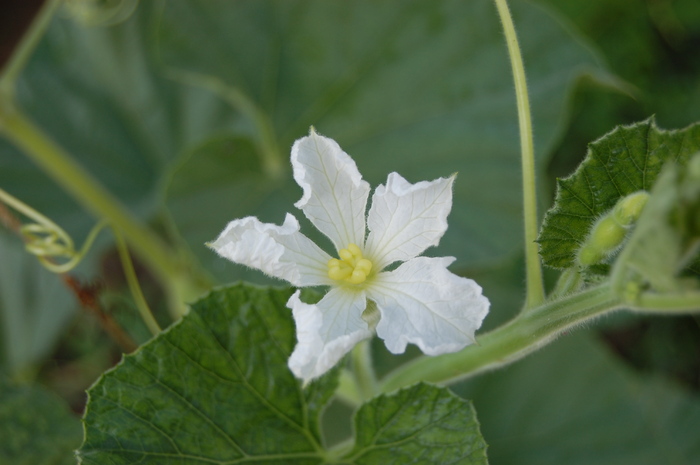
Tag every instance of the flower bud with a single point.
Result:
(629, 208)
(609, 231)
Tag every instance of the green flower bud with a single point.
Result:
(607, 234)
(609, 231)
(590, 255)
(629, 208)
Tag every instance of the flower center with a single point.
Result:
(351, 267)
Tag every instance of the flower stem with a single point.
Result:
(524, 334)
(365, 378)
(134, 287)
(535, 288)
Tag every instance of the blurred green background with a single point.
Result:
(186, 111)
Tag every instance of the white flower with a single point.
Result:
(419, 301)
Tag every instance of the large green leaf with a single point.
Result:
(35, 307)
(573, 403)
(653, 48)
(215, 388)
(100, 94)
(626, 160)
(421, 88)
(36, 427)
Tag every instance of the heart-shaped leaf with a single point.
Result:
(215, 388)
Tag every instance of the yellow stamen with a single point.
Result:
(352, 267)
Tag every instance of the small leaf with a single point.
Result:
(36, 427)
(422, 424)
(624, 161)
(213, 388)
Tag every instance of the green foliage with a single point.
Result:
(36, 427)
(212, 388)
(187, 110)
(99, 92)
(575, 403)
(422, 88)
(626, 160)
(35, 308)
(216, 388)
(442, 429)
(653, 46)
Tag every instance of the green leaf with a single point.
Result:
(574, 403)
(213, 388)
(421, 88)
(422, 424)
(652, 48)
(100, 93)
(36, 427)
(35, 307)
(219, 174)
(624, 161)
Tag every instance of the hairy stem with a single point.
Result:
(535, 288)
(668, 303)
(512, 341)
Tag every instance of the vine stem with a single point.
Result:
(134, 287)
(178, 283)
(524, 334)
(534, 286)
(533, 329)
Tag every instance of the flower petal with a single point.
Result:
(423, 303)
(279, 251)
(405, 219)
(335, 196)
(326, 331)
